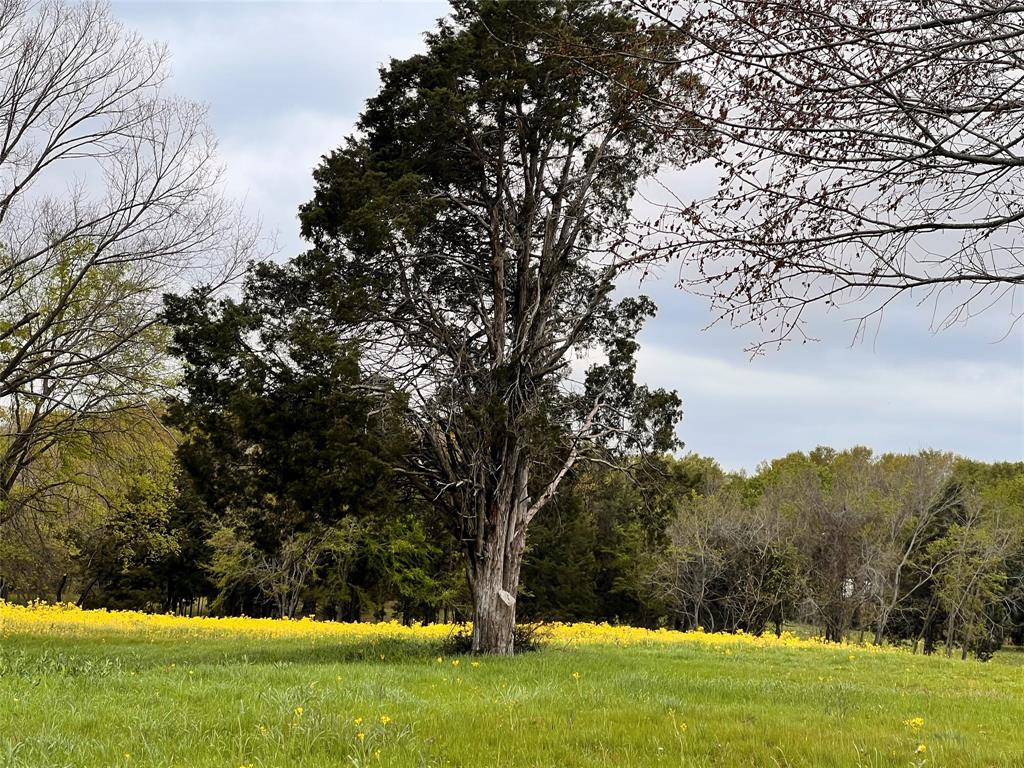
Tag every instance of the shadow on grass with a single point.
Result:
(104, 655)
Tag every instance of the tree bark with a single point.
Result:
(494, 615)
(60, 588)
(494, 576)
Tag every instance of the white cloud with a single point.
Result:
(746, 411)
(985, 391)
(283, 82)
(271, 168)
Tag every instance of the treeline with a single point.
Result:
(925, 549)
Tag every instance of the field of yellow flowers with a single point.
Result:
(95, 688)
(68, 620)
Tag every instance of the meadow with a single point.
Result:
(90, 689)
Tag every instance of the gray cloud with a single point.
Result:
(284, 82)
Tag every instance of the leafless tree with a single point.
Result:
(109, 195)
(694, 561)
(868, 149)
(281, 577)
(728, 564)
(914, 497)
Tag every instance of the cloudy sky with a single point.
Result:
(284, 83)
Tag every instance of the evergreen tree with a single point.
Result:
(470, 237)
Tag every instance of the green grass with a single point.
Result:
(117, 701)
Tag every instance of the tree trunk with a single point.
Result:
(494, 615)
(494, 574)
(60, 588)
(85, 592)
(950, 633)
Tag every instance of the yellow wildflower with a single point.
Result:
(63, 620)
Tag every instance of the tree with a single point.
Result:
(410, 564)
(914, 506)
(283, 573)
(973, 581)
(730, 564)
(97, 516)
(690, 573)
(828, 499)
(867, 150)
(470, 238)
(110, 193)
(977, 591)
(560, 566)
(633, 505)
(281, 447)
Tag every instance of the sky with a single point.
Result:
(284, 83)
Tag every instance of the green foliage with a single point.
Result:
(561, 570)
(589, 558)
(95, 515)
(414, 562)
(914, 548)
(405, 245)
(277, 431)
(289, 454)
(78, 341)
(282, 574)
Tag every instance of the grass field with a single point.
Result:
(90, 689)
